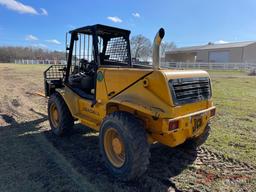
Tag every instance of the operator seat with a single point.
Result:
(83, 77)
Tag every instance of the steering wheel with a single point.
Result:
(87, 67)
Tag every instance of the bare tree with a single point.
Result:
(141, 47)
(166, 46)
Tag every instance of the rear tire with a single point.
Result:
(60, 118)
(123, 146)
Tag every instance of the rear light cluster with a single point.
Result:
(173, 125)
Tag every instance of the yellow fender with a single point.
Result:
(139, 98)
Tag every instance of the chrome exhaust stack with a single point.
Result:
(156, 48)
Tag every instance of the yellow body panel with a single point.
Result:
(117, 79)
(146, 94)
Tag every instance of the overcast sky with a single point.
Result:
(43, 23)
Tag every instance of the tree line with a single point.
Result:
(8, 54)
(141, 48)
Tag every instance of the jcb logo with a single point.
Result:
(90, 110)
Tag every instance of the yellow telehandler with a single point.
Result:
(131, 105)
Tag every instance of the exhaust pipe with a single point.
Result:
(156, 46)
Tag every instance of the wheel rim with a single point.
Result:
(54, 115)
(114, 147)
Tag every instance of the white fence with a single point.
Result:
(173, 65)
(28, 61)
(210, 66)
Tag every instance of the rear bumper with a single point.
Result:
(188, 127)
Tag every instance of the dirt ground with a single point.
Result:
(33, 159)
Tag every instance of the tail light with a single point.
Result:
(173, 125)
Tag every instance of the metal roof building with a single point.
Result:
(239, 52)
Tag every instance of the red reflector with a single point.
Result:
(173, 125)
(213, 112)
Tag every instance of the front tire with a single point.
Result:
(60, 118)
(123, 146)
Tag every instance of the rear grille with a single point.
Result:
(190, 90)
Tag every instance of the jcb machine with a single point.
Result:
(132, 106)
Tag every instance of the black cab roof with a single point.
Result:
(102, 30)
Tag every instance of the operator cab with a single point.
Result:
(90, 48)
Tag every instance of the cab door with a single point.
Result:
(81, 82)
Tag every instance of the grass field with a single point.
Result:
(234, 130)
(32, 159)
